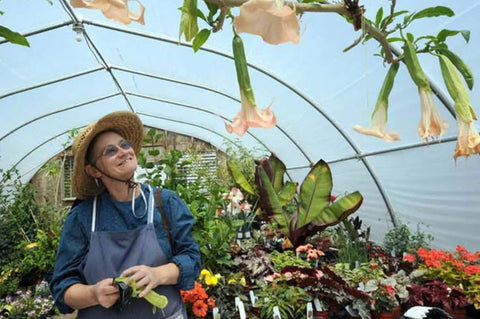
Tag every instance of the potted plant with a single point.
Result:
(459, 269)
(436, 293)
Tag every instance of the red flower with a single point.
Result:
(199, 308)
(211, 302)
(410, 258)
(472, 269)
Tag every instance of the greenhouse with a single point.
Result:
(327, 152)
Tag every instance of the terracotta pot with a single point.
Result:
(384, 315)
(458, 313)
(320, 315)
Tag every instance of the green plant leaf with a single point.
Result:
(315, 192)
(339, 210)
(269, 199)
(13, 37)
(433, 12)
(200, 39)
(443, 34)
(239, 178)
(188, 20)
(278, 169)
(461, 66)
(287, 192)
(378, 17)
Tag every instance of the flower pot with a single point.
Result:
(458, 313)
(320, 315)
(383, 315)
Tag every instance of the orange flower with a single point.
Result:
(410, 258)
(200, 308)
(211, 302)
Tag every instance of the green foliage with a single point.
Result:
(400, 240)
(287, 258)
(313, 210)
(29, 234)
(290, 300)
(351, 242)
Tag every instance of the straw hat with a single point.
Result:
(126, 123)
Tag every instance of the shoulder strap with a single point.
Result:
(166, 225)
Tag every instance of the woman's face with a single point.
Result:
(114, 156)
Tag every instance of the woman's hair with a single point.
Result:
(90, 156)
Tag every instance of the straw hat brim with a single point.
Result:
(126, 123)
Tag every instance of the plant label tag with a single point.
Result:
(309, 311)
(216, 315)
(241, 308)
(276, 313)
(252, 297)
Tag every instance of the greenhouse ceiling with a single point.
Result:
(80, 66)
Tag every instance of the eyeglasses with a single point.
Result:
(111, 150)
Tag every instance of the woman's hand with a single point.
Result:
(106, 292)
(146, 278)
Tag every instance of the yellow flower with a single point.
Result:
(270, 19)
(211, 280)
(31, 245)
(204, 273)
(113, 9)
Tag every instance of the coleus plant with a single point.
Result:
(313, 210)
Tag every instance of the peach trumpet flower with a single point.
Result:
(250, 116)
(468, 140)
(113, 9)
(275, 22)
(378, 127)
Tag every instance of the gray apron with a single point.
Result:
(111, 252)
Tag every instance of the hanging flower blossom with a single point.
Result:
(468, 140)
(250, 116)
(113, 9)
(379, 116)
(272, 20)
(431, 122)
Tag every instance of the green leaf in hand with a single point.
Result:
(157, 300)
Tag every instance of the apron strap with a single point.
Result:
(94, 213)
(151, 205)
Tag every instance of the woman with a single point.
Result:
(117, 230)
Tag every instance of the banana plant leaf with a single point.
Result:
(269, 199)
(239, 178)
(315, 193)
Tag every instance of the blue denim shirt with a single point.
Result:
(117, 216)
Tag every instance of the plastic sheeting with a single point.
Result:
(317, 92)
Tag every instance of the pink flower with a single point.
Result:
(270, 19)
(113, 9)
(250, 116)
(246, 206)
(410, 258)
(235, 195)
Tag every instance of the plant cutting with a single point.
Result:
(308, 212)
